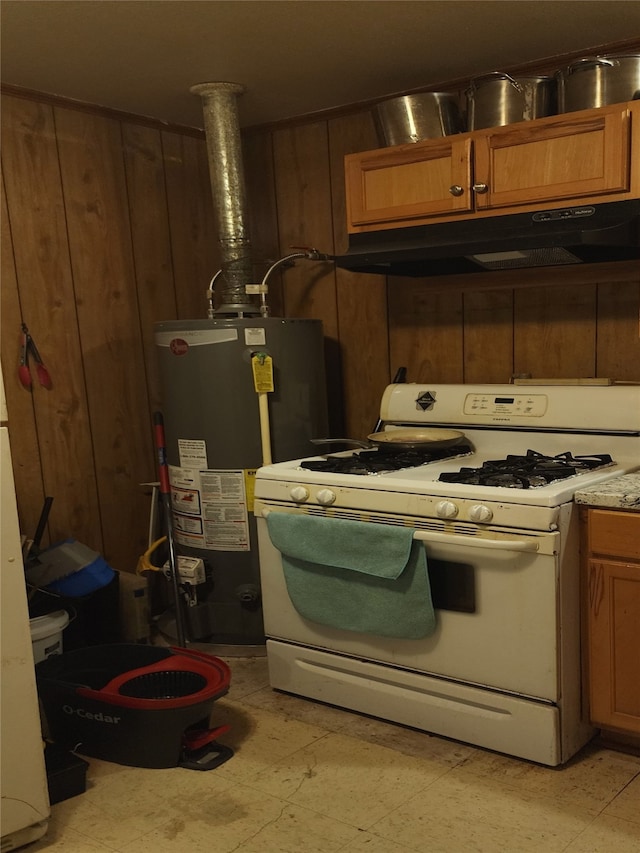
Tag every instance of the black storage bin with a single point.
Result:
(143, 706)
(66, 773)
(94, 619)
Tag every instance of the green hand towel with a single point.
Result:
(358, 576)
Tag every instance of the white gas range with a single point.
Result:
(500, 665)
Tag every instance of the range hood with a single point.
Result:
(568, 235)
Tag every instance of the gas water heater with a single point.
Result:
(214, 446)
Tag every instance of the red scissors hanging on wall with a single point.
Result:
(28, 348)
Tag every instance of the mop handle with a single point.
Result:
(163, 468)
(165, 492)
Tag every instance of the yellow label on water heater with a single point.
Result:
(262, 366)
(250, 487)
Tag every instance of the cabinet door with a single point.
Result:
(553, 160)
(614, 644)
(614, 534)
(408, 182)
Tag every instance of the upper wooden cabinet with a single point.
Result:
(409, 182)
(580, 157)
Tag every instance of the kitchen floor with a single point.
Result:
(307, 778)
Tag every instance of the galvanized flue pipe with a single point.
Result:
(226, 172)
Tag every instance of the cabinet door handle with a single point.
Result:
(480, 188)
(456, 189)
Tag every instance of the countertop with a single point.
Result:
(620, 493)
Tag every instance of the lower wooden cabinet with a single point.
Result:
(613, 624)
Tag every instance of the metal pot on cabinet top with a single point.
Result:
(497, 99)
(596, 81)
(412, 118)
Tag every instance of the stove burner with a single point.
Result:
(379, 461)
(524, 472)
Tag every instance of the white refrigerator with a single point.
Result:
(25, 807)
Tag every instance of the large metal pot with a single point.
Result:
(412, 118)
(596, 81)
(496, 99)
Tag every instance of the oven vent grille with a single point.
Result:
(459, 528)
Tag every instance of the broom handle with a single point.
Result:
(165, 493)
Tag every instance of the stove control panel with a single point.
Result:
(378, 505)
(521, 405)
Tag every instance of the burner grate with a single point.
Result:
(524, 472)
(380, 461)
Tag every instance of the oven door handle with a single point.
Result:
(477, 541)
(473, 541)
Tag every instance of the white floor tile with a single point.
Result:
(366, 842)
(129, 802)
(350, 780)
(626, 804)
(310, 778)
(590, 780)
(607, 835)
(462, 812)
(298, 829)
(62, 839)
(260, 739)
(223, 823)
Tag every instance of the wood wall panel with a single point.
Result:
(425, 332)
(25, 452)
(618, 330)
(488, 336)
(48, 306)
(151, 242)
(194, 233)
(362, 299)
(94, 187)
(555, 331)
(303, 193)
(262, 217)
(303, 188)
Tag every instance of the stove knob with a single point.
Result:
(480, 512)
(446, 509)
(325, 497)
(299, 494)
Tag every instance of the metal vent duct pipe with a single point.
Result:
(226, 171)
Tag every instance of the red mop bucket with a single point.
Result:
(143, 706)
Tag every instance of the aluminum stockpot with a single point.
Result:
(497, 99)
(412, 118)
(596, 81)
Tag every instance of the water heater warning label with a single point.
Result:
(193, 453)
(210, 508)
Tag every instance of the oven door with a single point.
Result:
(495, 593)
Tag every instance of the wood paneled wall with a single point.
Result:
(107, 227)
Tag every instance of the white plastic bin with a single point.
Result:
(46, 634)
